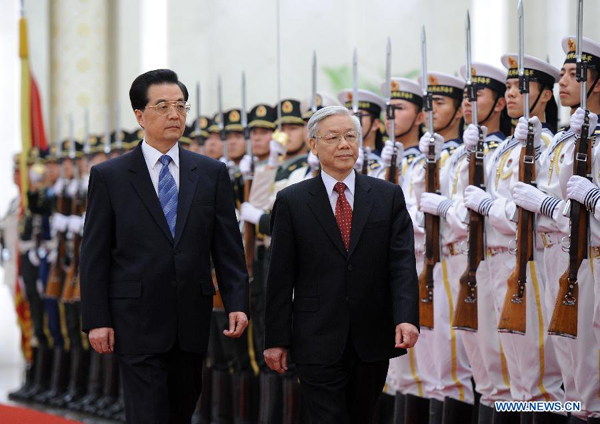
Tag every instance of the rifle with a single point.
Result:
(432, 222)
(249, 229)
(313, 97)
(465, 314)
(355, 110)
(56, 278)
(392, 171)
(564, 317)
(197, 129)
(513, 315)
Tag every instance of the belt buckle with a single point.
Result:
(544, 241)
(451, 249)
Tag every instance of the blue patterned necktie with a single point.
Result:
(167, 193)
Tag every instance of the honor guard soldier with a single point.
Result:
(530, 357)
(410, 377)
(236, 149)
(213, 146)
(186, 140)
(199, 138)
(453, 393)
(557, 166)
(370, 106)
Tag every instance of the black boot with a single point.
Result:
(436, 411)
(271, 400)
(59, 379)
(221, 399)
(526, 418)
(42, 373)
(116, 408)
(399, 408)
(420, 410)
(485, 413)
(29, 378)
(94, 384)
(77, 387)
(291, 400)
(110, 386)
(384, 409)
(241, 384)
(457, 412)
(506, 417)
(549, 418)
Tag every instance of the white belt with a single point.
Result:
(548, 239)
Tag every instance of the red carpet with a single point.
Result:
(17, 415)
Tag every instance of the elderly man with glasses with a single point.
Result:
(156, 217)
(342, 286)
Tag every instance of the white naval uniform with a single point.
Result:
(579, 365)
(529, 359)
(413, 373)
(452, 370)
(483, 348)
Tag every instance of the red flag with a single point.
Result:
(38, 133)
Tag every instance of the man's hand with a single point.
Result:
(102, 339)
(238, 321)
(406, 335)
(276, 359)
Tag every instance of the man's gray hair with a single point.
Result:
(326, 112)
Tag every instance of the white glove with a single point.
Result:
(521, 131)
(250, 213)
(534, 200)
(246, 165)
(33, 257)
(471, 136)
(424, 143)
(73, 188)
(477, 200)
(360, 159)
(75, 224)
(275, 150)
(224, 160)
(435, 204)
(583, 191)
(59, 185)
(313, 161)
(388, 151)
(577, 121)
(60, 222)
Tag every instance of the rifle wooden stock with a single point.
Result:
(249, 232)
(465, 314)
(72, 274)
(513, 315)
(432, 247)
(392, 171)
(56, 278)
(564, 317)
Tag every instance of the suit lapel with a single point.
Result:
(362, 208)
(142, 184)
(188, 178)
(321, 208)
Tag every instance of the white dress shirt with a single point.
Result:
(330, 182)
(152, 156)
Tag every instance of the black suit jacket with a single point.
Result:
(363, 293)
(135, 277)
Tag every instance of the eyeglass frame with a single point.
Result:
(170, 104)
(339, 137)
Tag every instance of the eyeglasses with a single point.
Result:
(351, 137)
(181, 108)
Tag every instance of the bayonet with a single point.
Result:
(390, 112)
(119, 142)
(107, 131)
(221, 117)
(313, 99)
(86, 134)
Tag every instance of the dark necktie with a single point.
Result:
(167, 193)
(343, 214)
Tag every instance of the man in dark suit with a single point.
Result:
(342, 291)
(155, 218)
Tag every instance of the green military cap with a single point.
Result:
(262, 116)
(290, 112)
(233, 120)
(66, 149)
(213, 126)
(205, 122)
(322, 100)
(113, 139)
(35, 156)
(16, 161)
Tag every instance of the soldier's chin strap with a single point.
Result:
(410, 127)
(537, 99)
(450, 121)
(361, 115)
(489, 115)
(589, 92)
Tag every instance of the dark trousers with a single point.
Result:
(161, 388)
(343, 392)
